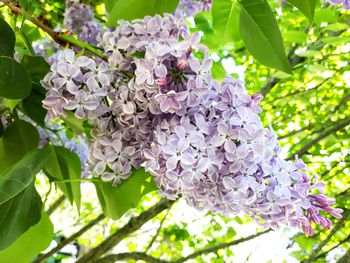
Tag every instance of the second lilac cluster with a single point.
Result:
(345, 3)
(79, 19)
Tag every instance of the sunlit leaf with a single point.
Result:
(30, 244)
(19, 214)
(261, 34)
(131, 9)
(116, 200)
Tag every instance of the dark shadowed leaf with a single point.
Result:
(62, 164)
(30, 244)
(15, 81)
(116, 200)
(261, 34)
(18, 138)
(131, 9)
(32, 105)
(7, 39)
(36, 66)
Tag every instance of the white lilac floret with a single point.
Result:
(155, 104)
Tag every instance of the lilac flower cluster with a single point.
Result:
(345, 3)
(155, 104)
(189, 8)
(79, 19)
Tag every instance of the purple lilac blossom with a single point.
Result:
(79, 19)
(189, 8)
(155, 104)
(345, 3)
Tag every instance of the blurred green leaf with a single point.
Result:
(30, 244)
(15, 81)
(295, 36)
(310, 53)
(336, 40)
(218, 71)
(131, 9)
(261, 34)
(11, 104)
(203, 22)
(324, 15)
(337, 27)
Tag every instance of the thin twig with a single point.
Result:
(339, 125)
(55, 205)
(145, 257)
(220, 246)
(133, 224)
(69, 239)
(158, 231)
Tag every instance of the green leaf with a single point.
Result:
(261, 34)
(307, 7)
(18, 177)
(18, 139)
(30, 244)
(32, 105)
(131, 9)
(7, 39)
(19, 214)
(116, 200)
(62, 164)
(15, 81)
(226, 20)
